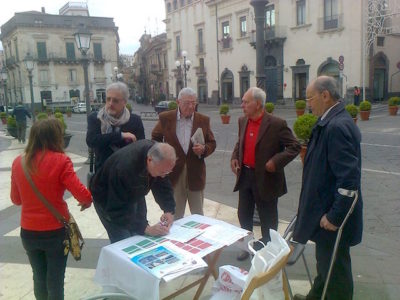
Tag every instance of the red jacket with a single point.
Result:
(54, 175)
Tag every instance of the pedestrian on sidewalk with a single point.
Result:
(20, 114)
(176, 127)
(357, 93)
(113, 127)
(42, 234)
(264, 147)
(332, 162)
(120, 186)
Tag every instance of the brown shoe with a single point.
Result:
(243, 255)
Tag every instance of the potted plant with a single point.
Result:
(12, 126)
(269, 107)
(223, 111)
(172, 105)
(59, 116)
(365, 110)
(300, 107)
(393, 103)
(302, 128)
(353, 111)
(3, 116)
(68, 112)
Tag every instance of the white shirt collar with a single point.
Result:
(178, 115)
(329, 109)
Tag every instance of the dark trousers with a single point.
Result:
(45, 250)
(249, 197)
(341, 281)
(21, 131)
(116, 232)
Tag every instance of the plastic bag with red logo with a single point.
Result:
(230, 283)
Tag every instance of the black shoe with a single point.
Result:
(243, 255)
(299, 297)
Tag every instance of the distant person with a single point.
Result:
(20, 114)
(1, 108)
(332, 162)
(264, 147)
(113, 126)
(42, 234)
(120, 186)
(176, 127)
(357, 93)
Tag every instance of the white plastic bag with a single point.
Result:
(229, 284)
(265, 259)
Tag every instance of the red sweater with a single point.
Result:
(54, 174)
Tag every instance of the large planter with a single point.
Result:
(393, 110)
(364, 114)
(303, 152)
(12, 131)
(355, 120)
(67, 139)
(225, 119)
(300, 112)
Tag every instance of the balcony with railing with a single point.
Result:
(330, 23)
(275, 32)
(200, 70)
(10, 62)
(59, 59)
(226, 42)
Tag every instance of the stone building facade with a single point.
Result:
(302, 40)
(58, 72)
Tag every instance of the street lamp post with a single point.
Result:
(185, 66)
(117, 76)
(82, 39)
(29, 64)
(4, 78)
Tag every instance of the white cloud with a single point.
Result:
(131, 17)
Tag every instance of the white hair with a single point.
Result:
(258, 95)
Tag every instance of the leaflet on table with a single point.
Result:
(167, 261)
(182, 234)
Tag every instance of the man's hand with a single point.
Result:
(270, 166)
(324, 223)
(166, 220)
(84, 206)
(128, 137)
(199, 149)
(235, 166)
(156, 230)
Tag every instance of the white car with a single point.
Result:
(80, 108)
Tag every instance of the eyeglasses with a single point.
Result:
(309, 99)
(189, 103)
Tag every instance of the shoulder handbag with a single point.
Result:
(73, 241)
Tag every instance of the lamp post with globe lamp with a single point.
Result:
(185, 67)
(29, 65)
(4, 78)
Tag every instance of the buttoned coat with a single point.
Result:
(275, 141)
(165, 131)
(333, 161)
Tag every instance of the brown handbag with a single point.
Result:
(73, 241)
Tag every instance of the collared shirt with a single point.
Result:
(250, 138)
(184, 130)
(329, 109)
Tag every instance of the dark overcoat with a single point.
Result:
(120, 186)
(105, 144)
(333, 161)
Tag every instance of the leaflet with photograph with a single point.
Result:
(167, 261)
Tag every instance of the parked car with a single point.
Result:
(80, 108)
(161, 106)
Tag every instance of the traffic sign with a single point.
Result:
(341, 59)
(341, 66)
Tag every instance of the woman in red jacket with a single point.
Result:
(41, 233)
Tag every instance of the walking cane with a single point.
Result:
(347, 193)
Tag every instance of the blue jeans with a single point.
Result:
(45, 250)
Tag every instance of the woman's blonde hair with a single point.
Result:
(45, 135)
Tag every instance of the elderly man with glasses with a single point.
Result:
(120, 186)
(177, 128)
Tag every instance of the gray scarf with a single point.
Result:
(108, 122)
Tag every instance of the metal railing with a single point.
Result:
(330, 23)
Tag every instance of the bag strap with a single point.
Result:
(46, 203)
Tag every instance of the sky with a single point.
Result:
(131, 17)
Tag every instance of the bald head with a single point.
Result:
(161, 159)
(322, 93)
(326, 83)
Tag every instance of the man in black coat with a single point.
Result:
(120, 186)
(332, 162)
(20, 113)
(114, 126)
